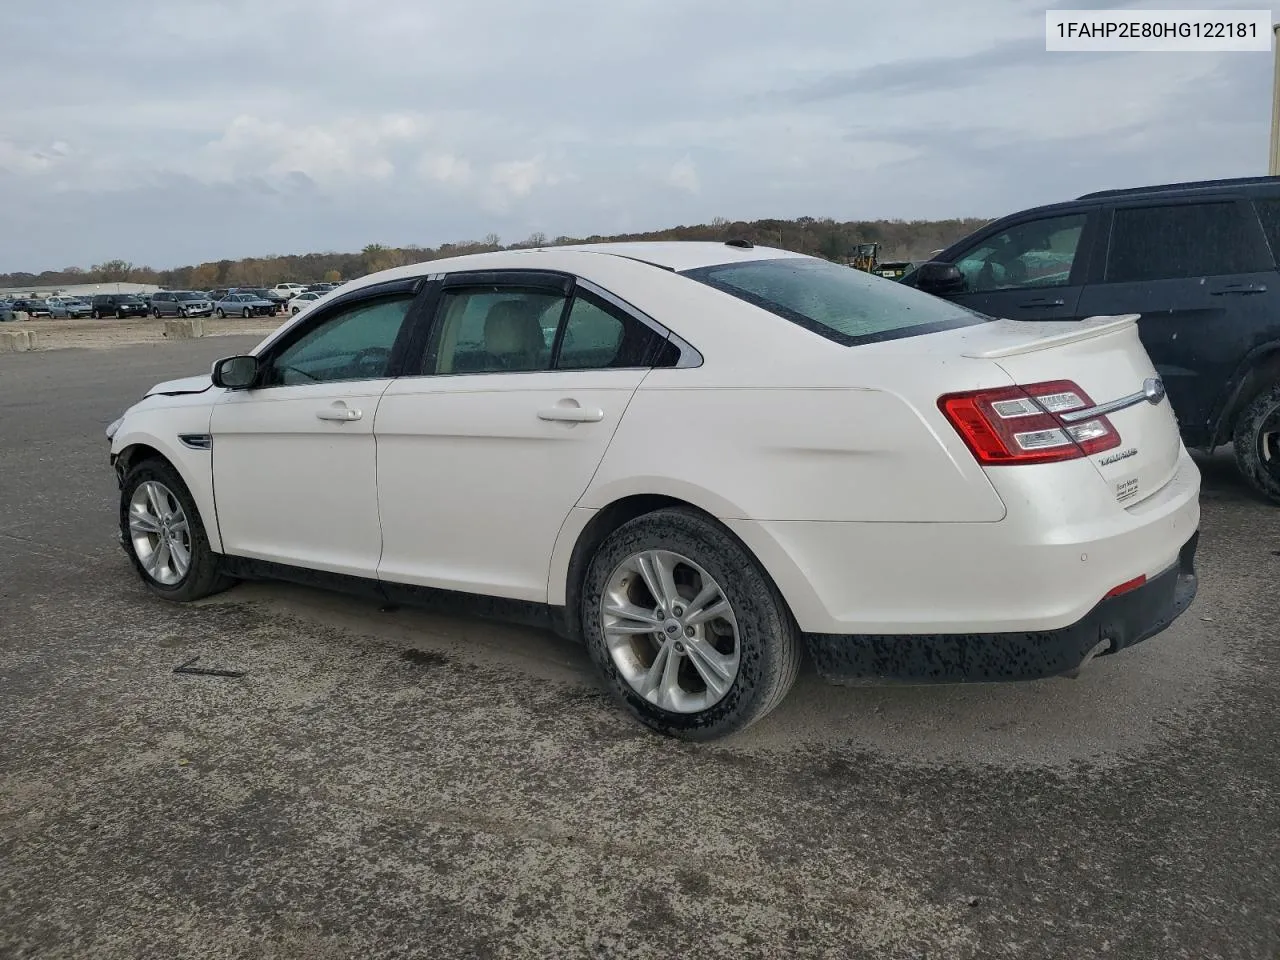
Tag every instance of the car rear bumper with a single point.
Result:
(1114, 624)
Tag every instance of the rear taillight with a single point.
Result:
(1011, 425)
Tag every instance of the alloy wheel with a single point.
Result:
(159, 533)
(670, 631)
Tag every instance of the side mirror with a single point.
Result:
(938, 278)
(235, 373)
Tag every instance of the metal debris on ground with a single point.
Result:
(205, 671)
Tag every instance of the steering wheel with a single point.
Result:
(371, 360)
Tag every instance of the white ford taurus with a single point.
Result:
(698, 458)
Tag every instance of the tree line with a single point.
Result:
(822, 237)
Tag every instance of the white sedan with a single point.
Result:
(701, 459)
(303, 300)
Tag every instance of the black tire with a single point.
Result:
(155, 312)
(769, 640)
(1257, 443)
(221, 315)
(202, 578)
(119, 314)
(294, 312)
(247, 313)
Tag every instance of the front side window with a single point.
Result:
(354, 343)
(495, 330)
(1183, 242)
(1040, 253)
(840, 303)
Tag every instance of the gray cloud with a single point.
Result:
(193, 129)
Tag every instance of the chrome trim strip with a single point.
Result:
(1152, 392)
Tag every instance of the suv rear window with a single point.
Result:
(836, 302)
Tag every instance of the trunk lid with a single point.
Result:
(1105, 358)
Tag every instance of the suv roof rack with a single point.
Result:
(1187, 185)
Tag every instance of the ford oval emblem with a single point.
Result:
(1153, 390)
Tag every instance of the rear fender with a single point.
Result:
(1260, 367)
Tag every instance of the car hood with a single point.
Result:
(171, 388)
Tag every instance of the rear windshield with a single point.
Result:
(834, 301)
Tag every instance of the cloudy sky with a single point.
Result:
(168, 132)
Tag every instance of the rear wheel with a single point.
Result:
(687, 629)
(164, 537)
(221, 315)
(1257, 443)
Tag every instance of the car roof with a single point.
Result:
(1186, 187)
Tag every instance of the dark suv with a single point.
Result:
(119, 305)
(1197, 261)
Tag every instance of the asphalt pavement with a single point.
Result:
(397, 784)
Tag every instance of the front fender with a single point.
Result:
(194, 466)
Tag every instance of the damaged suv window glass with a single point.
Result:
(834, 301)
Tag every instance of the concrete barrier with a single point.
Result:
(16, 341)
(184, 329)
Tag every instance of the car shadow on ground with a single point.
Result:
(1119, 705)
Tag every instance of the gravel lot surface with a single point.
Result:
(395, 784)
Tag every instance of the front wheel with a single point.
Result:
(246, 313)
(294, 312)
(221, 315)
(1257, 443)
(164, 537)
(155, 312)
(688, 630)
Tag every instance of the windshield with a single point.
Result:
(834, 301)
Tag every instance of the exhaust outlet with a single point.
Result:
(1102, 646)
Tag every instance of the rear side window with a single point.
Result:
(1181, 242)
(596, 337)
(836, 302)
(1269, 214)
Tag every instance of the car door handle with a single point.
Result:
(570, 412)
(1239, 288)
(1042, 303)
(339, 412)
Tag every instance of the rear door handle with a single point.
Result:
(1239, 288)
(339, 412)
(570, 412)
(1042, 303)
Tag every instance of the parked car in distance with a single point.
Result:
(180, 303)
(263, 294)
(289, 290)
(6, 311)
(218, 294)
(118, 305)
(68, 307)
(304, 300)
(31, 306)
(1197, 262)
(244, 305)
(320, 287)
(909, 489)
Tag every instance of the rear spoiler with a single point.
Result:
(1069, 331)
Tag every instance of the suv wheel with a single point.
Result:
(155, 312)
(686, 627)
(1257, 443)
(221, 315)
